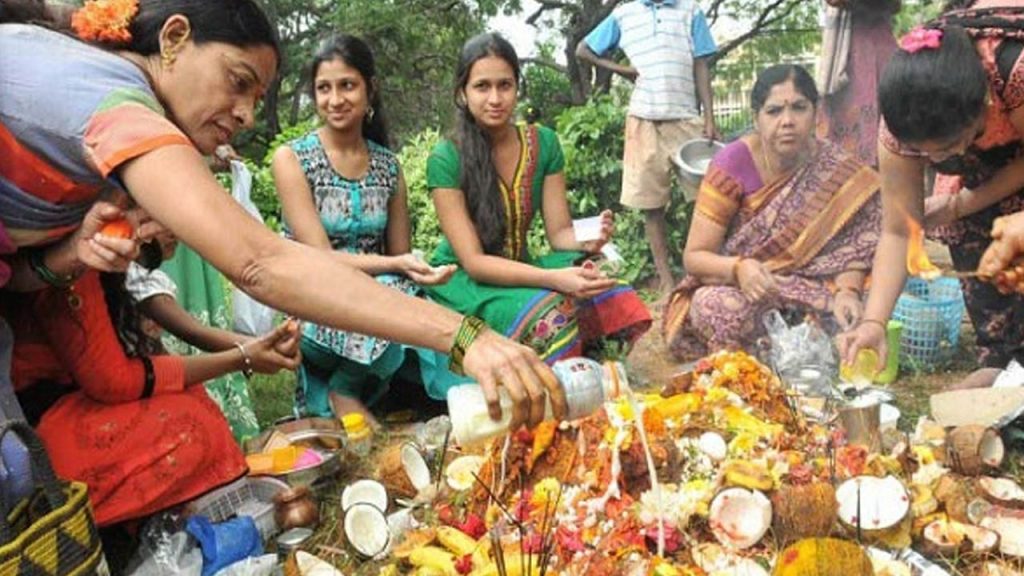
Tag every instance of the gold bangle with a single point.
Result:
(736, 270)
(469, 329)
(880, 324)
(853, 289)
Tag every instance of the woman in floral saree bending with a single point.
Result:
(782, 221)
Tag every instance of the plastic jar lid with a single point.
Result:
(291, 539)
(353, 422)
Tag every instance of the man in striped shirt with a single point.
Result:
(668, 44)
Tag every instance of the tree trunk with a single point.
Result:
(579, 76)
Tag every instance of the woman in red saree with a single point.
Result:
(782, 221)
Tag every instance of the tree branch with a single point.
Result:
(713, 10)
(774, 12)
(546, 5)
(545, 63)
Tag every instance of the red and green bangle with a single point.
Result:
(469, 329)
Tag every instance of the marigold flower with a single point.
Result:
(105, 20)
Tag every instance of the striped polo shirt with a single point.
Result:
(661, 39)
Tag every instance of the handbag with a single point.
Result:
(51, 532)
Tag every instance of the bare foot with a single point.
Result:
(981, 378)
(346, 405)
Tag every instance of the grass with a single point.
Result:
(273, 396)
(913, 389)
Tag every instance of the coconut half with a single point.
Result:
(366, 529)
(949, 537)
(713, 445)
(1002, 491)
(460, 471)
(739, 517)
(1009, 524)
(415, 466)
(309, 565)
(882, 502)
(365, 492)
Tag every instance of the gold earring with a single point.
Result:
(167, 58)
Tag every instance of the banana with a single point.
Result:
(513, 567)
(924, 502)
(456, 541)
(432, 557)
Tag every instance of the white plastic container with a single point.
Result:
(586, 384)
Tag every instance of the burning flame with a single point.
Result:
(918, 263)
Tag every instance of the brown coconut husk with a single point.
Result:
(392, 475)
(967, 447)
(807, 511)
(954, 493)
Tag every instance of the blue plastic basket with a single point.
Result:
(931, 313)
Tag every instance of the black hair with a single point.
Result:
(237, 22)
(779, 74)
(127, 318)
(479, 176)
(24, 11)
(354, 52)
(934, 94)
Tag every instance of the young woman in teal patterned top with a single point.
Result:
(342, 189)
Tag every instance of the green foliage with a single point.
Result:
(415, 42)
(264, 193)
(916, 12)
(592, 138)
(426, 231)
(545, 87)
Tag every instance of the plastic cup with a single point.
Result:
(587, 229)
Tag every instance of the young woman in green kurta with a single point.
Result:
(487, 185)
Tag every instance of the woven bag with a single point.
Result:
(52, 532)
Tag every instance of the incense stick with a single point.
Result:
(494, 499)
(499, 552)
(444, 452)
(858, 513)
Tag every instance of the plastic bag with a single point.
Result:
(225, 543)
(15, 466)
(803, 355)
(251, 317)
(165, 550)
(253, 566)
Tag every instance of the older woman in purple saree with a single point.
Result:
(782, 221)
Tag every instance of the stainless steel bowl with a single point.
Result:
(693, 158)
